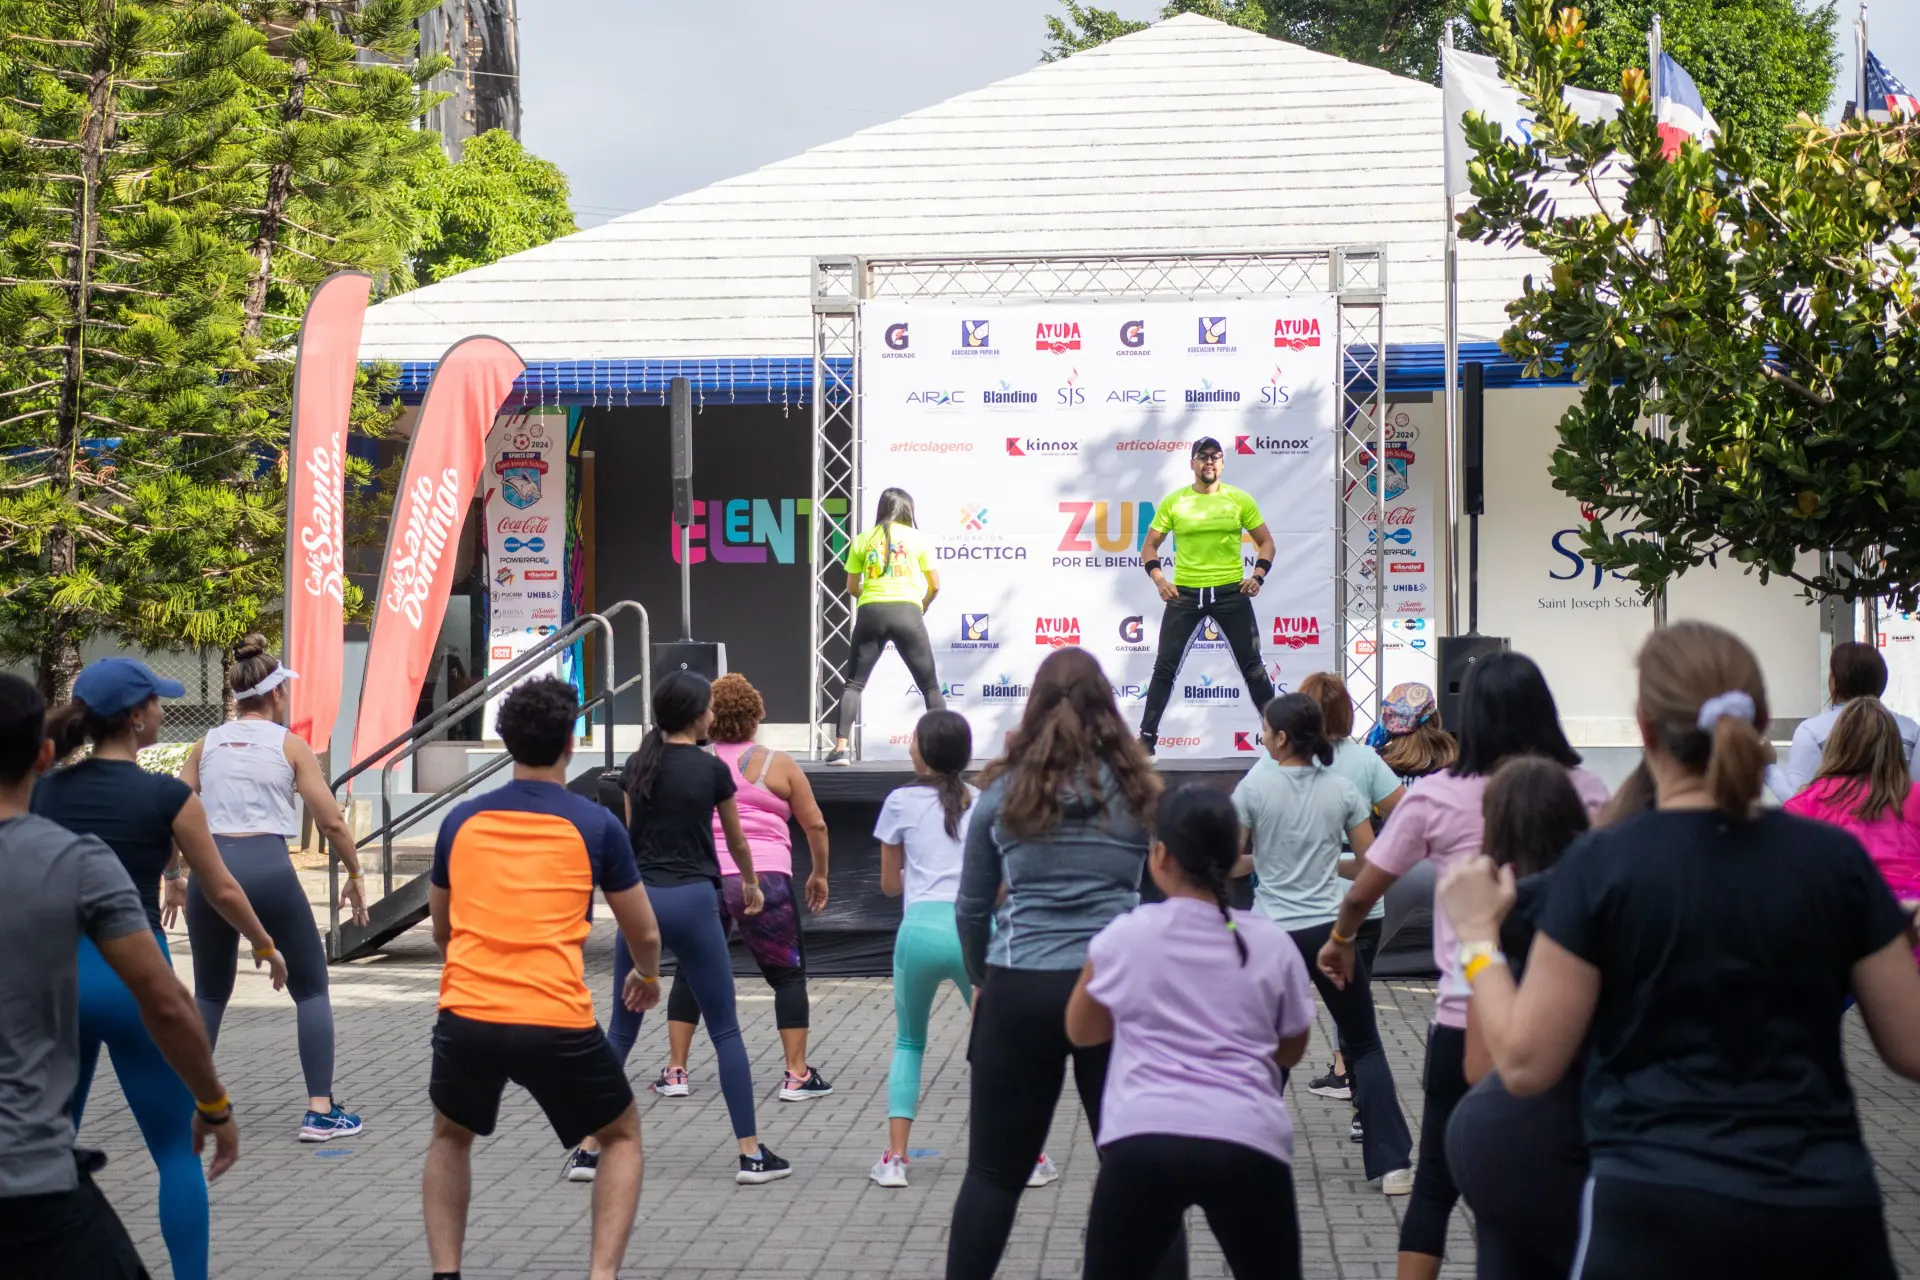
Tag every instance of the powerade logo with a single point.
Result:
(975, 633)
(1003, 689)
(897, 341)
(1296, 633)
(1296, 335)
(1133, 338)
(1006, 396)
(1059, 338)
(976, 339)
(1208, 691)
(1056, 633)
(1206, 393)
(1283, 445)
(937, 399)
(1035, 448)
(1133, 635)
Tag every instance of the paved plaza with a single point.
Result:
(350, 1210)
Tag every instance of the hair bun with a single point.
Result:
(252, 645)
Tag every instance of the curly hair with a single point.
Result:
(737, 709)
(536, 721)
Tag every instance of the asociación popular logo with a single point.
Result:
(976, 339)
(976, 634)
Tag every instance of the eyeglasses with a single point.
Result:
(1206, 457)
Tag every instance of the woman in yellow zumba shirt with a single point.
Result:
(890, 568)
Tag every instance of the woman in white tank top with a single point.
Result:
(248, 773)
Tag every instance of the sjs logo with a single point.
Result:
(1072, 394)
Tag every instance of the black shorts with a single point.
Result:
(67, 1234)
(570, 1071)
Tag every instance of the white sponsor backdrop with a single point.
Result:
(526, 511)
(1036, 441)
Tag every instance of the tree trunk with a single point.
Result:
(60, 651)
(279, 191)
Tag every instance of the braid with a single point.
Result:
(1217, 874)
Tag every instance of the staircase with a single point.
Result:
(400, 908)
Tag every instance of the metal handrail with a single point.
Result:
(429, 727)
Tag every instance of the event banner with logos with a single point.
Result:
(526, 511)
(1038, 440)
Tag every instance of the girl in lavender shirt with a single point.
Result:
(1506, 711)
(1205, 1007)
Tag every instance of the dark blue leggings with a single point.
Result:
(161, 1105)
(691, 928)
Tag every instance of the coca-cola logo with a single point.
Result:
(1396, 516)
(522, 525)
(322, 527)
(432, 519)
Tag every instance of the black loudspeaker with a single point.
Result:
(1457, 656)
(680, 428)
(1473, 439)
(707, 658)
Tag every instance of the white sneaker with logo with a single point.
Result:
(891, 1171)
(1045, 1172)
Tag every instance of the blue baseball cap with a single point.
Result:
(113, 685)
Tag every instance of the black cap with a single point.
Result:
(1204, 443)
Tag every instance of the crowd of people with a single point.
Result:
(1633, 1068)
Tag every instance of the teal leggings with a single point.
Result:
(925, 951)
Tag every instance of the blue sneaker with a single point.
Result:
(326, 1126)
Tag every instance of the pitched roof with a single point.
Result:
(1187, 136)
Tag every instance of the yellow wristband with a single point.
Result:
(213, 1108)
(1477, 965)
(1345, 942)
(353, 875)
(263, 953)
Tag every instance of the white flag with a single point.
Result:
(1471, 82)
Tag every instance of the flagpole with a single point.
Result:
(1860, 63)
(1449, 453)
(1657, 423)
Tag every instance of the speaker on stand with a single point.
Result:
(708, 658)
(1459, 653)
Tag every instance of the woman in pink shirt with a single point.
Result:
(1863, 787)
(771, 789)
(1506, 711)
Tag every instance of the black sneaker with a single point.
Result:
(765, 1167)
(1355, 1131)
(840, 756)
(1150, 741)
(582, 1165)
(1331, 1085)
(795, 1089)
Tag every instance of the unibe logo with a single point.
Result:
(1057, 337)
(1296, 335)
(1296, 633)
(1111, 526)
(1056, 633)
(897, 337)
(1133, 334)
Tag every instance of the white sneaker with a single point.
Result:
(891, 1171)
(1398, 1183)
(1045, 1172)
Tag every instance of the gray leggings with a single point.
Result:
(261, 865)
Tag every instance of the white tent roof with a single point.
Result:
(1188, 136)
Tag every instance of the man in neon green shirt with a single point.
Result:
(1206, 519)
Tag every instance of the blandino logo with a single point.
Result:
(1296, 633)
(1057, 337)
(1006, 396)
(1207, 393)
(1296, 335)
(1208, 691)
(1003, 689)
(1133, 338)
(1056, 633)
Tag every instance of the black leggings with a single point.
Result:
(1648, 1231)
(1233, 614)
(1424, 1229)
(1019, 1052)
(1386, 1144)
(1521, 1165)
(873, 626)
(1147, 1182)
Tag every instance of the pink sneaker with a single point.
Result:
(673, 1083)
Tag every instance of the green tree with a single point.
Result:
(1084, 27)
(1401, 36)
(1763, 300)
(498, 200)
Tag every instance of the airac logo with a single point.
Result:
(1056, 633)
(938, 399)
(1115, 526)
(1296, 633)
(1057, 337)
(951, 692)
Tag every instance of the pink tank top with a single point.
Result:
(763, 815)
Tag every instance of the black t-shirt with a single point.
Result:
(673, 831)
(130, 808)
(1725, 951)
(1517, 930)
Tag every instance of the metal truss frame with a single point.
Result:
(1357, 274)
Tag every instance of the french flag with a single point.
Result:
(1884, 87)
(1680, 114)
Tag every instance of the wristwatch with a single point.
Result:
(1472, 957)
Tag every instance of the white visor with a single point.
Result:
(274, 679)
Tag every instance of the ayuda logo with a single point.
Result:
(1133, 336)
(1296, 335)
(1296, 633)
(1116, 526)
(1056, 633)
(1057, 337)
(897, 337)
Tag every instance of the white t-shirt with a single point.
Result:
(913, 819)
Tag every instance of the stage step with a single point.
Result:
(388, 918)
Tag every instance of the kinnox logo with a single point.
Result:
(897, 343)
(1058, 338)
(1276, 393)
(1006, 396)
(1034, 448)
(750, 530)
(1244, 741)
(1290, 447)
(975, 633)
(951, 692)
(1056, 633)
(1144, 397)
(1108, 526)
(1003, 689)
(534, 545)
(976, 338)
(1208, 691)
(1206, 393)
(1296, 335)
(937, 399)
(1133, 635)
(1296, 633)
(1133, 338)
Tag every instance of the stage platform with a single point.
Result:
(872, 780)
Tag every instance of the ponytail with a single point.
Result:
(73, 723)
(1736, 765)
(679, 701)
(945, 742)
(1201, 833)
(1701, 691)
(1298, 716)
(643, 767)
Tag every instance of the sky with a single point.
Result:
(639, 100)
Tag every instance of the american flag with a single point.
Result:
(1883, 87)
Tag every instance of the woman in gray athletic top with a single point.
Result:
(248, 772)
